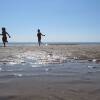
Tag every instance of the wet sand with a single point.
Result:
(57, 83)
(84, 52)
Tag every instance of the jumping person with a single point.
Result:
(4, 36)
(39, 34)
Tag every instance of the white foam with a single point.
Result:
(19, 75)
(12, 63)
(0, 69)
(91, 67)
(47, 69)
(46, 44)
(94, 60)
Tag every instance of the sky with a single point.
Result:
(59, 20)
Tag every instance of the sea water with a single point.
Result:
(30, 65)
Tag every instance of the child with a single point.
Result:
(4, 36)
(39, 34)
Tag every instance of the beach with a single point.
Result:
(50, 72)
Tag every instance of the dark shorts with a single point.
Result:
(4, 39)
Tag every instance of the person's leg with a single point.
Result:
(4, 44)
(4, 40)
(39, 43)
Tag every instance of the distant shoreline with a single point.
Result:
(51, 43)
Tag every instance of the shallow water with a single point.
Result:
(69, 69)
(29, 63)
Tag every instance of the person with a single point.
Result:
(4, 36)
(39, 34)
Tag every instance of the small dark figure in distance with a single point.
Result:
(4, 36)
(39, 34)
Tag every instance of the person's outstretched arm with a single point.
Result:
(9, 35)
(42, 34)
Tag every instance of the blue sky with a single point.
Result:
(60, 20)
